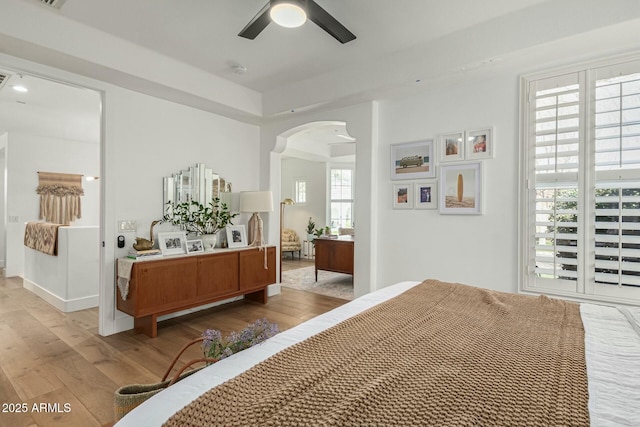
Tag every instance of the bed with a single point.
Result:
(425, 355)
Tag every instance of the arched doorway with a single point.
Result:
(317, 173)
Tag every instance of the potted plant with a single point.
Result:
(311, 225)
(202, 220)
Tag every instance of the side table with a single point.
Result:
(309, 249)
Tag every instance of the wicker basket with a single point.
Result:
(128, 397)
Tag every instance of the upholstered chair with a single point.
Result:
(291, 242)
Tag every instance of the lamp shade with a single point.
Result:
(256, 201)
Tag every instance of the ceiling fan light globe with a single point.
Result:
(288, 15)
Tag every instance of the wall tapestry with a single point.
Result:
(60, 197)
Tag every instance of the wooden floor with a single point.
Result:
(289, 264)
(50, 357)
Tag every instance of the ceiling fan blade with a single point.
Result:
(257, 24)
(324, 20)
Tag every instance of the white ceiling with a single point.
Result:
(49, 109)
(185, 50)
(203, 33)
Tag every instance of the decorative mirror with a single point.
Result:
(198, 183)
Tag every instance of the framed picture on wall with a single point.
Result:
(413, 160)
(425, 194)
(480, 144)
(172, 243)
(451, 146)
(402, 196)
(236, 236)
(461, 189)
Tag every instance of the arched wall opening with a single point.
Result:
(361, 123)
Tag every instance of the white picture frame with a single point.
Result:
(425, 194)
(402, 197)
(480, 144)
(195, 246)
(172, 243)
(451, 146)
(236, 236)
(413, 160)
(461, 189)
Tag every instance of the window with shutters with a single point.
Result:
(580, 222)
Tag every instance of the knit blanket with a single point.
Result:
(42, 236)
(440, 354)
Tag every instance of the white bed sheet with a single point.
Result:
(612, 349)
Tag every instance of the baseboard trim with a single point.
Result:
(61, 304)
(274, 289)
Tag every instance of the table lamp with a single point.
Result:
(256, 202)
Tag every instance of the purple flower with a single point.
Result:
(215, 347)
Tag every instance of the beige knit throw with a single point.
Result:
(440, 354)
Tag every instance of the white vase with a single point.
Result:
(209, 241)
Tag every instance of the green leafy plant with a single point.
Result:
(194, 217)
(215, 346)
(310, 226)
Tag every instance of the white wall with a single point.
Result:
(25, 156)
(70, 280)
(147, 139)
(315, 174)
(473, 249)
(3, 193)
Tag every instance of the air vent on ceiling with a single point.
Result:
(53, 3)
(4, 78)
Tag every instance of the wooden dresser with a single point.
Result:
(176, 283)
(334, 254)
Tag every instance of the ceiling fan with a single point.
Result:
(294, 13)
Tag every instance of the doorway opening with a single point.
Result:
(51, 127)
(317, 173)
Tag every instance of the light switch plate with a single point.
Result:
(127, 225)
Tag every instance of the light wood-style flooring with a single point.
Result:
(289, 264)
(50, 357)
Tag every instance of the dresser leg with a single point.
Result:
(259, 296)
(147, 325)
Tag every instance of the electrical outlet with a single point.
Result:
(125, 226)
(13, 219)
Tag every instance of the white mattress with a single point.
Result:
(612, 352)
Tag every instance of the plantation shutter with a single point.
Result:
(617, 187)
(582, 183)
(554, 126)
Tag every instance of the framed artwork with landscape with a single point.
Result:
(403, 196)
(172, 243)
(426, 194)
(461, 189)
(413, 160)
(236, 236)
